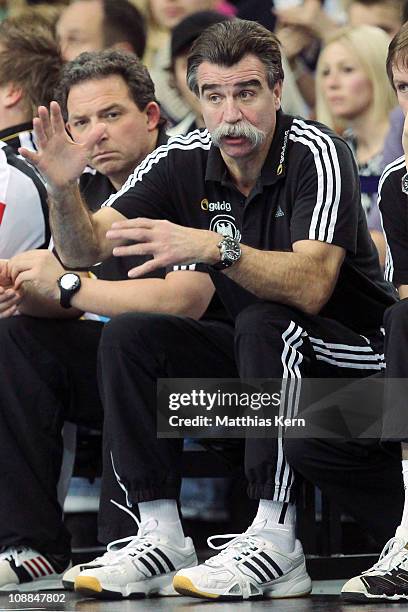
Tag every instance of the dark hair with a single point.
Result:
(226, 43)
(30, 58)
(123, 22)
(397, 52)
(100, 64)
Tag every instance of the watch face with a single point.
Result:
(230, 250)
(69, 281)
(232, 254)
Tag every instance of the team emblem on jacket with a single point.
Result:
(225, 225)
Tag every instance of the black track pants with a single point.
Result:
(48, 376)
(270, 340)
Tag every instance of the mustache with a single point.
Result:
(243, 129)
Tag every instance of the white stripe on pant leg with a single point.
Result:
(286, 398)
(120, 483)
(374, 361)
(291, 359)
(280, 457)
(295, 359)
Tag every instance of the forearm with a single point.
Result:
(35, 305)
(111, 298)
(72, 228)
(289, 278)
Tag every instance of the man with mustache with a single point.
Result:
(295, 267)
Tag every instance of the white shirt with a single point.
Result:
(23, 208)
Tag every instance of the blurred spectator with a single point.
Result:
(354, 95)
(93, 25)
(12, 8)
(162, 17)
(30, 66)
(182, 37)
(301, 28)
(385, 14)
(48, 13)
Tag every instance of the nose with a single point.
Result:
(331, 80)
(232, 112)
(96, 122)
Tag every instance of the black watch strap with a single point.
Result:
(69, 283)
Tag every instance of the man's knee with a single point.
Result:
(258, 317)
(130, 330)
(397, 315)
(13, 329)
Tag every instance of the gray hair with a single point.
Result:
(226, 43)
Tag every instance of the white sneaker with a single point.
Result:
(24, 569)
(68, 580)
(249, 567)
(387, 580)
(145, 566)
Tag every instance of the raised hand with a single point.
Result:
(59, 159)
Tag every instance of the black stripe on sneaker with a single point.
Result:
(255, 571)
(266, 569)
(157, 562)
(282, 516)
(22, 573)
(148, 566)
(165, 558)
(272, 562)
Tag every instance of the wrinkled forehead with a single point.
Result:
(92, 94)
(249, 69)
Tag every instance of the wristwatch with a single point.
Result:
(230, 252)
(404, 183)
(69, 283)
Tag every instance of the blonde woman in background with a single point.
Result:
(353, 96)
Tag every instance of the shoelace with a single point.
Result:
(114, 554)
(238, 542)
(393, 547)
(12, 553)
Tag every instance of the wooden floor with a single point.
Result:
(314, 603)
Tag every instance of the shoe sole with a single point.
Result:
(301, 587)
(159, 586)
(34, 586)
(68, 585)
(363, 598)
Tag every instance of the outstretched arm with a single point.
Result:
(304, 278)
(182, 293)
(78, 235)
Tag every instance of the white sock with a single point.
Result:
(166, 513)
(280, 523)
(404, 520)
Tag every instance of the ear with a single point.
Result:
(277, 94)
(12, 94)
(152, 111)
